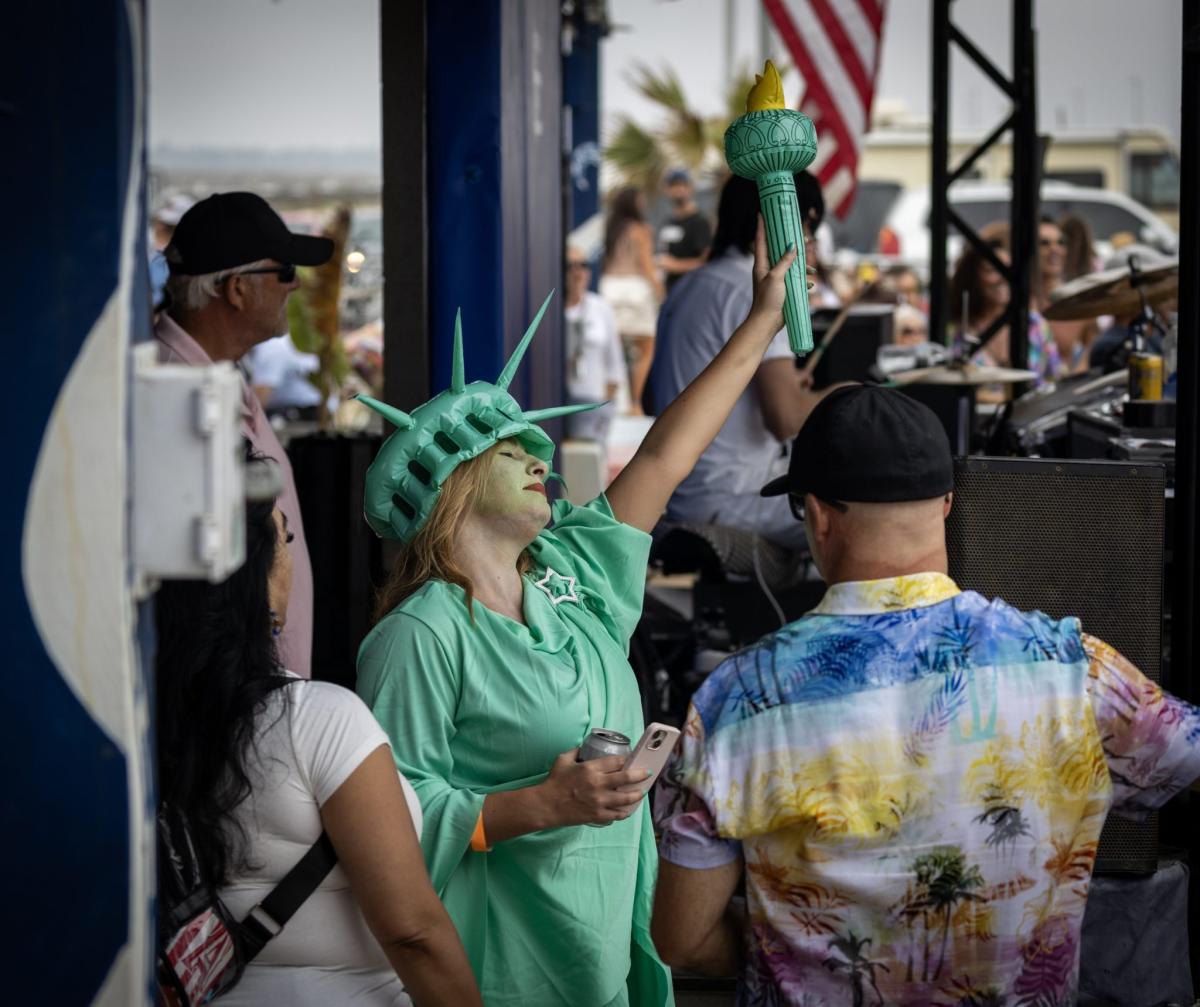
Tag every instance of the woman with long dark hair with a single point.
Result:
(631, 284)
(259, 762)
(979, 295)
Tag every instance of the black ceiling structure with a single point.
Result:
(1026, 172)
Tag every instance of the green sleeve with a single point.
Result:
(412, 685)
(607, 556)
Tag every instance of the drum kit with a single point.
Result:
(1129, 294)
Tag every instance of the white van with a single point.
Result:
(904, 234)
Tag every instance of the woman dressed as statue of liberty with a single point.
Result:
(502, 642)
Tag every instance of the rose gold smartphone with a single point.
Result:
(652, 751)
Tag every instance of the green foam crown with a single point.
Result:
(406, 477)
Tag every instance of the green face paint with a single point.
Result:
(460, 423)
(515, 487)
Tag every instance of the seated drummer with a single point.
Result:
(911, 779)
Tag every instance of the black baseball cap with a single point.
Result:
(870, 444)
(229, 229)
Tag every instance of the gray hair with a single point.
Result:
(192, 293)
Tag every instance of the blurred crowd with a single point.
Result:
(640, 268)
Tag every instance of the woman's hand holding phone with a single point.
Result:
(596, 792)
(652, 751)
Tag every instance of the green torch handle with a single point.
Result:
(777, 197)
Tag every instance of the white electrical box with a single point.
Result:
(189, 485)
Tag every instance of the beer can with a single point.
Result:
(601, 742)
(1145, 377)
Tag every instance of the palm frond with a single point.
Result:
(637, 154)
(663, 88)
(689, 140)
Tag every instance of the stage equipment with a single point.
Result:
(768, 145)
(848, 352)
(1037, 422)
(1123, 291)
(966, 374)
(1071, 538)
(954, 406)
(346, 556)
(1020, 89)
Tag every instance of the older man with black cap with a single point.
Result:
(910, 779)
(232, 267)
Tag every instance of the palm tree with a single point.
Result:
(855, 964)
(945, 876)
(943, 880)
(642, 155)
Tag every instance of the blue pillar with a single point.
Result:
(581, 96)
(495, 188)
(72, 732)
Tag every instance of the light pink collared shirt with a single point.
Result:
(295, 644)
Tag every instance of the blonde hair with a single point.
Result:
(430, 554)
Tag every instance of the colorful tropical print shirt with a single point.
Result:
(916, 779)
(1044, 356)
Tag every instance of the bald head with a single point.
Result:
(870, 541)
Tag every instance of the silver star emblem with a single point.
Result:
(557, 587)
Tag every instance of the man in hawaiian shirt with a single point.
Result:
(910, 779)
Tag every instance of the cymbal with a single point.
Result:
(1111, 293)
(971, 374)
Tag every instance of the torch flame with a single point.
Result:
(767, 91)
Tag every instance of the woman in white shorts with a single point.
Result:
(631, 284)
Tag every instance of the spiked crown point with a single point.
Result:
(534, 415)
(510, 369)
(458, 380)
(396, 417)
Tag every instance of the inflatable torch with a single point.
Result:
(767, 145)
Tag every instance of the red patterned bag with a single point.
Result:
(202, 950)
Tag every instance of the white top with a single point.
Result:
(594, 358)
(278, 365)
(313, 736)
(704, 308)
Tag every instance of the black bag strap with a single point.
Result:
(267, 918)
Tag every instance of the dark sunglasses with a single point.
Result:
(796, 503)
(286, 272)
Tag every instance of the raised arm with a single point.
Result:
(368, 822)
(687, 426)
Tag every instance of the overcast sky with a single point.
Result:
(305, 73)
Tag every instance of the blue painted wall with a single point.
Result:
(495, 189)
(67, 85)
(581, 96)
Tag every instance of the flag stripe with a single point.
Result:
(873, 11)
(812, 79)
(836, 46)
(851, 58)
(829, 66)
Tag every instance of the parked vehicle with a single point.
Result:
(904, 234)
(1141, 163)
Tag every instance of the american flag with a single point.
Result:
(836, 46)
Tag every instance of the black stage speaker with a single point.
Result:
(347, 557)
(851, 354)
(1071, 538)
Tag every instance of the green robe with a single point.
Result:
(560, 916)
